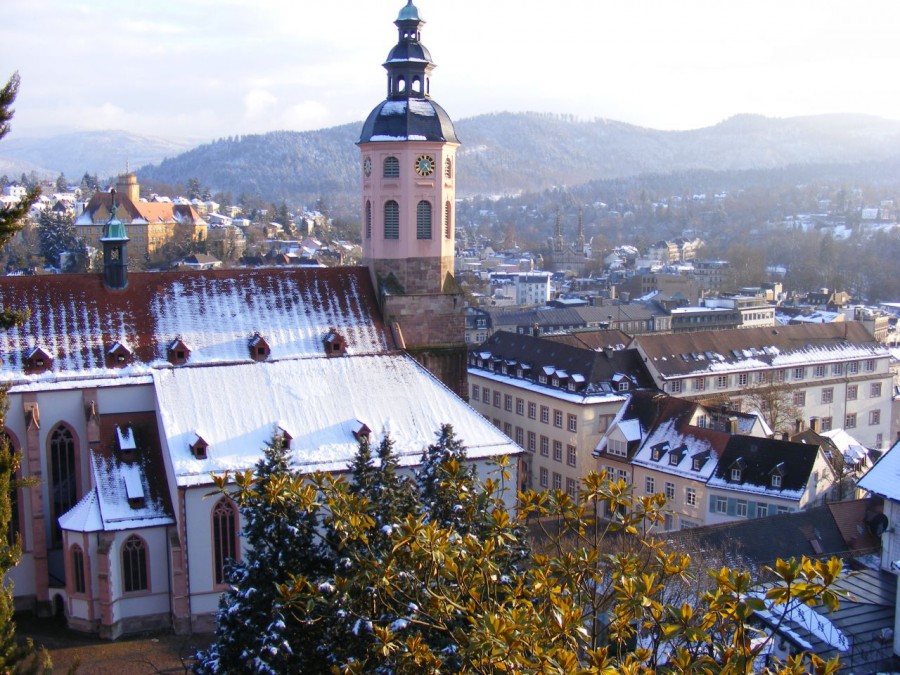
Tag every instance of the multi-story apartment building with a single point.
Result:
(664, 445)
(531, 288)
(837, 373)
(553, 399)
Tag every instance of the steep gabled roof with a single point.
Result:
(761, 458)
(75, 317)
(668, 432)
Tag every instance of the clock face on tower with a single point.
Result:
(425, 165)
(367, 166)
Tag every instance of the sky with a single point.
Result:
(205, 69)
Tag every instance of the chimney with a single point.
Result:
(798, 425)
(814, 424)
(785, 436)
(535, 330)
(732, 425)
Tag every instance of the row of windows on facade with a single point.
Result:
(484, 394)
(519, 435)
(777, 376)
(391, 168)
(134, 563)
(544, 481)
(423, 220)
(718, 504)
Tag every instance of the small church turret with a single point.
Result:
(408, 169)
(115, 249)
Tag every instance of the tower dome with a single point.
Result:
(409, 112)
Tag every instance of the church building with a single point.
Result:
(129, 391)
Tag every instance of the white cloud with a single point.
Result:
(257, 102)
(306, 115)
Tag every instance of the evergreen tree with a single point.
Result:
(444, 479)
(193, 188)
(13, 655)
(57, 235)
(254, 633)
(62, 185)
(390, 497)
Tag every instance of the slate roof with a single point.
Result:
(760, 458)
(76, 318)
(597, 368)
(858, 630)
(596, 340)
(760, 541)
(414, 119)
(713, 352)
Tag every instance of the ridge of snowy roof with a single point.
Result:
(322, 400)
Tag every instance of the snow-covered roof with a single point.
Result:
(121, 499)
(884, 477)
(743, 349)
(77, 320)
(322, 401)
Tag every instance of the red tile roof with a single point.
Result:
(77, 319)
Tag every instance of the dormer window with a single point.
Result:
(624, 385)
(658, 450)
(38, 360)
(571, 386)
(118, 355)
(555, 382)
(518, 372)
(542, 379)
(178, 353)
(126, 441)
(736, 475)
(198, 448)
(697, 464)
(674, 458)
(259, 348)
(777, 475)
(134, 486)
(335, 344)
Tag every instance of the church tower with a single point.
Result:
(408, 167)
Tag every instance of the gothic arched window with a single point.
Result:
(77, 569)
(224, 525)
(63, 478)
(134, 565)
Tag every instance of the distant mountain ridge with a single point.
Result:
(105, 153)
(505, 153)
